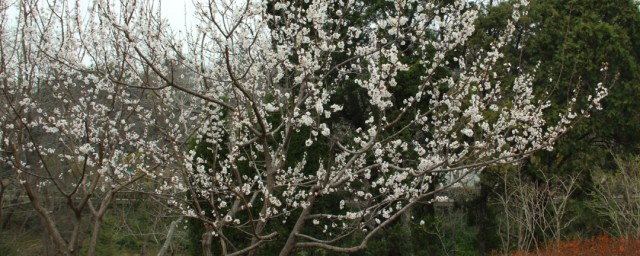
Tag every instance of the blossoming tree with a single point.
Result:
(76, 132)
(265, 79)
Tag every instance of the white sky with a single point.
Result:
(179, 13)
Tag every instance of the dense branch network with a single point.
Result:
(252, 86)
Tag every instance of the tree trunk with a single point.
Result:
(60, 243)
(167, 242)
(291, 241)
(95, 235)
(47, 243)
(206, 242)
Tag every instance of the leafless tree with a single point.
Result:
(618, 196)
(533, 211)
(76, 132)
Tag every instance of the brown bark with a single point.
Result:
(206, 242)
(97, 221)
(60, 243)
(291, 241)
(167, 242)
(94, 235)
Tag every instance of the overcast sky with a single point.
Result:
(180, 13)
